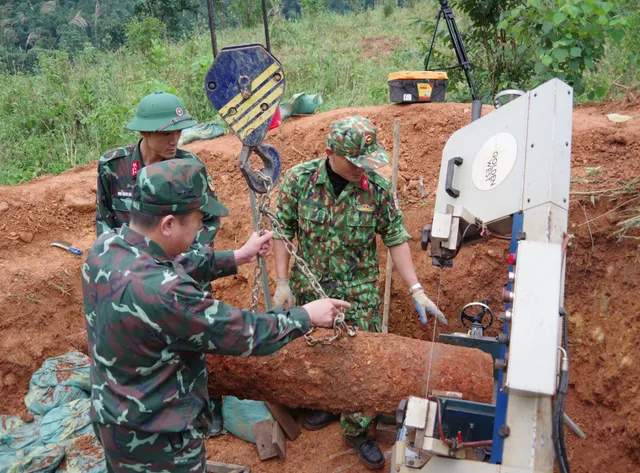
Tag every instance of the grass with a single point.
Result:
(70, 112)
(626, 196)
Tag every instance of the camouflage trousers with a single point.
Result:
(364, 315)
(128, 450)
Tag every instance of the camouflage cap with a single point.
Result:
(355, 138)
(174, 187)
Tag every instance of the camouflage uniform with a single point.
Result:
(117, 173)
(149, 325)
(337, 236)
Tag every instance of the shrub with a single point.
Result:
(565, 37)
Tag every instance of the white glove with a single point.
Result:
(423, 304)
(283, 294)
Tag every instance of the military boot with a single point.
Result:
(316, 420)
(216, 424)
(368, 451)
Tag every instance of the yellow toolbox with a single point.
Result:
(417, 86)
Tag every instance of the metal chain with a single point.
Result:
(257, 270)
(264, 210)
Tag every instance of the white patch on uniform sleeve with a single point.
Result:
(123, 417)
(168, 276)
(139, 403)
(85, 272)
(138, 313)
(211, 311)
(106, 244)
(90, 317)
(111, 377)
(102, 360)
(102, 273)
(196, 338)
(250, 340)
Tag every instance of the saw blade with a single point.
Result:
(433, 336)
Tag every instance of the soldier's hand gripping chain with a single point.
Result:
(425, 305)
(323, 311)
(283, 297)
(256, 245)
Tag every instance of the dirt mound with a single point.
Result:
(41, 292)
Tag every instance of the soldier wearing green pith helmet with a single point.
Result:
(160, 119)
(335, 206)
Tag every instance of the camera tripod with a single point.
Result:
(463, 60)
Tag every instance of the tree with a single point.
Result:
(175, 14)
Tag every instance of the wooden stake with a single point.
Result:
(394, 185)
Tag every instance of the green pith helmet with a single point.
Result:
(161, 111)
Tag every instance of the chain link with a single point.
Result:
(257, 270)
(264, 210)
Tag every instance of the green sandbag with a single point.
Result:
(300, 104)
(201, 131)
(59, 380)
(42, 459)
(239, 415)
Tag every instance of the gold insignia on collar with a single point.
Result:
(365, 208)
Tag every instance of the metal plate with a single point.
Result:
(416, 417)
(534, 323)
(253, 70)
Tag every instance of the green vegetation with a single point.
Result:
(66, 95)
(71, 110)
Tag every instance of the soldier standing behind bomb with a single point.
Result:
(335, 206)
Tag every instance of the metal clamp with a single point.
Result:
(260, 181)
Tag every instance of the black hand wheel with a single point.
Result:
(477, 318)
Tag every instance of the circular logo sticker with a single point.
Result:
(368, 139)
(494, 161)
(179, 111)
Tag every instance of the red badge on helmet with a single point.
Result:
(179, 111)
(135, 167)
(368, 139)
(364, 182)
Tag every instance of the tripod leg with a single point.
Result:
(433, 39)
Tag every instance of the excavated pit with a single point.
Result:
(41, 295)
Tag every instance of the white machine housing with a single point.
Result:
(515, 159)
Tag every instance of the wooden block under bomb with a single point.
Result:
(386, 433)
(270, 440)
(285, 419)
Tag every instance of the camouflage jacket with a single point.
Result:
(149, 324)
(337, 237)
(117, 171)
